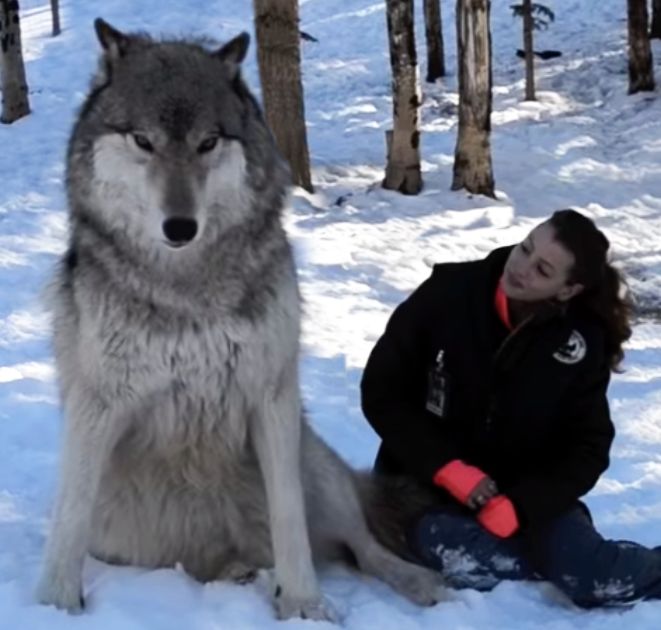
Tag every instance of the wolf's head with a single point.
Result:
(171, 150)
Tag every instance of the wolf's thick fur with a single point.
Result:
(176, 329)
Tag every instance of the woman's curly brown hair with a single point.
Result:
(605, 293)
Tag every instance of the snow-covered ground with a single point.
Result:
(361, 250)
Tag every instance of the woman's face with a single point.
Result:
(538, 269)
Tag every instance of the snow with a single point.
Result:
(584, 144)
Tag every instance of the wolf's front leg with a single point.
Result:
(91, 431)
(276, 431)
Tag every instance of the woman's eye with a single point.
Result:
(208, 145)
(543, 272)
(143, 143)
(525, 249)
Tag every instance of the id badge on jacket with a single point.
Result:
(438, 388)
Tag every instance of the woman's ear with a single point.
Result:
(569, 291)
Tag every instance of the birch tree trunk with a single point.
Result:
(472, 156)
(641, 70)
(434, 38)
(15, 103)
(279, 59)
(528, 49)
(655, 30)
(403, 161)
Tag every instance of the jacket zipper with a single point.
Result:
(507, 343)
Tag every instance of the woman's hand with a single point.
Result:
(468, 484)
(486, 489)
(475, 489)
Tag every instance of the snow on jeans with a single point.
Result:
(568, 552)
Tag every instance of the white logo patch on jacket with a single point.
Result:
(573, 350)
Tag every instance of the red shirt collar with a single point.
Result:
(502, 308)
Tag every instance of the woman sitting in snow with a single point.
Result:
(489, 383)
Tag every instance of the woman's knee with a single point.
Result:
(437, 531)
(469, 556)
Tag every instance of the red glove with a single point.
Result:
(459, 479)
(499, 517)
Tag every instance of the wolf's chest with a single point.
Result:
(196, 355)
(181, 385)
(189, 357)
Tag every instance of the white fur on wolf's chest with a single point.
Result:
(184, 378)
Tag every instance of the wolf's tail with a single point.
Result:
(391, 505)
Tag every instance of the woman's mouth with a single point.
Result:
(513, 281)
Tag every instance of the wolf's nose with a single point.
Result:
(180, 231)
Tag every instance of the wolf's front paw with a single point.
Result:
(64, 594)
(316, 608)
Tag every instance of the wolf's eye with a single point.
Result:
(143, 143)
(209, 144)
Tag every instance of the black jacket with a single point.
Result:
(529, 408)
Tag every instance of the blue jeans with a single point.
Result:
(568, 552)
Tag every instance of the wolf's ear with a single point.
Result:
(114, 42)
(234, 52)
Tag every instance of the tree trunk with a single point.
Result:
(472, 155)
(15, 103)
(55, 13)
(528, 49)
(434, 37)
(641, 70)
(655, 31)
(279, 59)
(403, 162)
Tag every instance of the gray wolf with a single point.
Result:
(176, 319)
